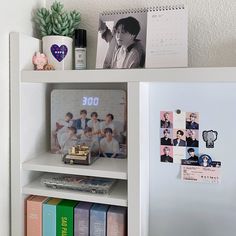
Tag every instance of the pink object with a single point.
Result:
(39, 60)
(34, 215)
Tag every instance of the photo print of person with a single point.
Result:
(121, 40)
(192, 120)
(166, 119)
(192, 138)
(179, 138)
(95, 118)
(192, 154)
(166, 137)
(167, 154)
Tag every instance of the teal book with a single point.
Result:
(98, 220)
(65, 217)
(49, 216)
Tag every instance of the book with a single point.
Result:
(49, 216)
(98, 220)
(65, 217)
(82, 218)
(143, 38)
(117, 221)
(34, 215)
(80, 183)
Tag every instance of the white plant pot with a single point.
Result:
(58, 49)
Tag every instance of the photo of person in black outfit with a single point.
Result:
(165, 122)
(165, 140)
(192, 155)
(192, 138)
(179, 141)
(191, 122)
(166, 156)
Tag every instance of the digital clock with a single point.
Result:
(90, 101)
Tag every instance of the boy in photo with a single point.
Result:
(81, 123)
(166, 140)
(166, 156)
(125, 50)
(109, 146)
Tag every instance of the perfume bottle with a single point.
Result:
(80, 49)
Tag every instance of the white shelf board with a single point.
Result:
(103, 167)
(118, 195)
(218, 74)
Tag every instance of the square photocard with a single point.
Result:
(166, 153)
(192, 120)
(192, 154)
(179, 138)
(166, 137)
(192, 138)
(166, 119)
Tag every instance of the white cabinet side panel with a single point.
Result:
(137, 167)
(134, 211)
(188, 208)
(21, 51)
(144, 157)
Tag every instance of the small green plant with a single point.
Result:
(57, 21)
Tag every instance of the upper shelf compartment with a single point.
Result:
(195, 75)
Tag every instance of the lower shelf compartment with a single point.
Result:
(117, 196)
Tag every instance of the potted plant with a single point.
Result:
(56, 26)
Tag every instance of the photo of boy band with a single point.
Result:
(121, 41)
(179, 136)
(100, 126)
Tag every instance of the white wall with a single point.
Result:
(212, 31)
(15, 16)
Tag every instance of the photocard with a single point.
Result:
(166, 153)
(192, 137)
(192, 120)
(192, 154)
(166, 136)
(179, 138)
(166, 119)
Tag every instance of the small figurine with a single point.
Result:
(80, 154)
(49, 67)
(39, 60)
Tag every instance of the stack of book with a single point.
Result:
(53, 216)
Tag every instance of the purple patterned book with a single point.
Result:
(117, 221)
(81, 219)
(98, 220)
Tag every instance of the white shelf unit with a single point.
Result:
(106, 168)
(30, 131)
(30, 144)
(118, 195)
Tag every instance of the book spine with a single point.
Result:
(65, 220)
(97, 223)
(34, 218)
(116, 224)
(81, 222)
(49, 220)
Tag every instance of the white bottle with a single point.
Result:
(80, 49)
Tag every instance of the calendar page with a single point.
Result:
(167, 37)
